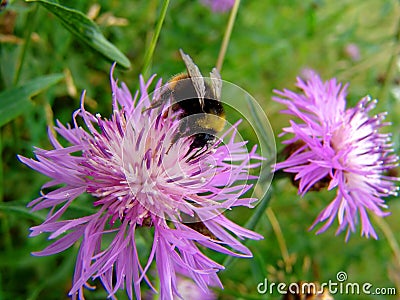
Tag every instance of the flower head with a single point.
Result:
(342, 148)
(219, 5)
(140, 178)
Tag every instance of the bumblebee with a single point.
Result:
(198, 106)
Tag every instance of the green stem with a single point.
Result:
(227, 35)
(253, 221)
(388, 233)
(150, 50)
(259, 211)
(391, 65)
(30, 24)
(280, 238)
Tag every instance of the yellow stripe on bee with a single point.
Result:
(210, 121)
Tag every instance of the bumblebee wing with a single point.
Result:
(216, 83)
(196, 77)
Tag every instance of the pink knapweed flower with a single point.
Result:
(341, 148)
(219, 5)
(141, 179)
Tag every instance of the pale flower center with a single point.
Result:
(353, 142)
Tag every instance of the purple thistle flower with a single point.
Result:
(219, 5)
(341, 147)
(141, 181)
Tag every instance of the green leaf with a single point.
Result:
(16, 100)
(86, 30)
(21, 210)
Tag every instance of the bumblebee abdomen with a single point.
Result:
(211, 122)
(195, 101)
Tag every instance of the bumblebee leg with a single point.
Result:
(165, 96)
(200, 151)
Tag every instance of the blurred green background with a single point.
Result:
(272, 42)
